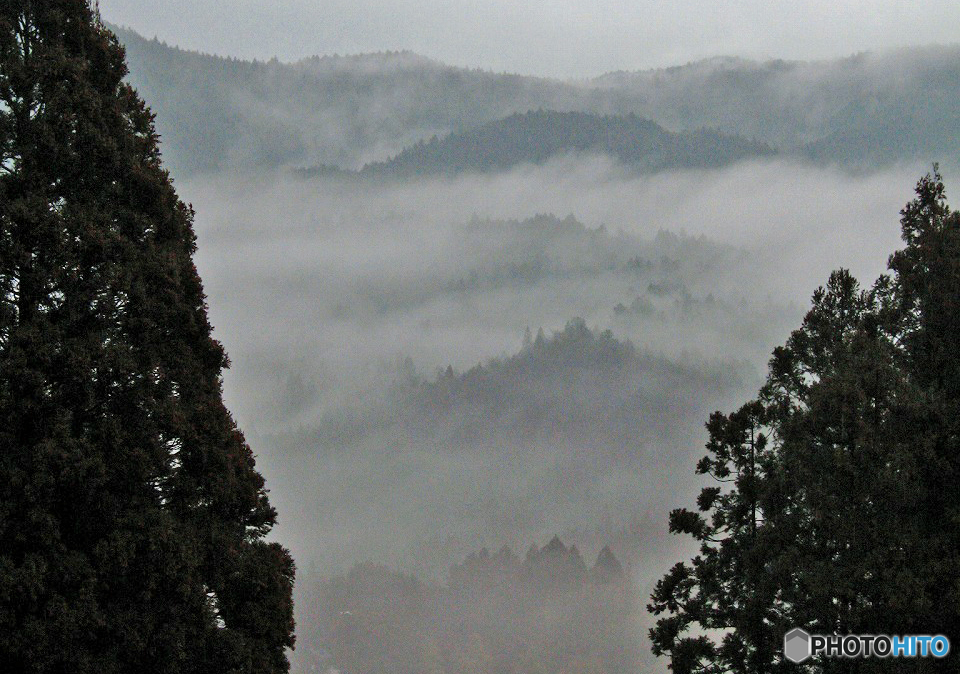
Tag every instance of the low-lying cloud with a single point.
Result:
(342, 303)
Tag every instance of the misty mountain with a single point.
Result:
(613, 401)
(535, 137)
(216, 113)
(858, 111)
(572, 426)
(545, 248)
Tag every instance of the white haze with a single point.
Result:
(277, 253)
(320, 291)
(331, 282)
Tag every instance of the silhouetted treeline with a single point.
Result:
(497, 613)
(574, 427)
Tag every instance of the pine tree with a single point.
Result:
(837, 508)
(132, 518)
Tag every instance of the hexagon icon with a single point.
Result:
(796, 645)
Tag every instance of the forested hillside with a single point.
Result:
(347, 111)
(335, 110)
(536, 137)
(868, 109)
(545, 439)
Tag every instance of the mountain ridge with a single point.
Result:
(537, 136)
(220, 113)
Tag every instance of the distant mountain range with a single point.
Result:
(349, 111)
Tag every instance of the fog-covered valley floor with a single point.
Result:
(427, 367)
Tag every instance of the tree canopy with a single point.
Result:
(132, 517)
(835, 505)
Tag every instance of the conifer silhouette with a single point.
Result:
(132, 516)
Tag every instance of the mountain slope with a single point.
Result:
(347, 111)
(344, 111)
(855, 111)
(536, 137)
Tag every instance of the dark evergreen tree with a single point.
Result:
(131, 514)
(837, 509)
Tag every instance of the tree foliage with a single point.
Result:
(131, 513)
(835, 506)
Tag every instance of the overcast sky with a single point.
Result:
(545, 37)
